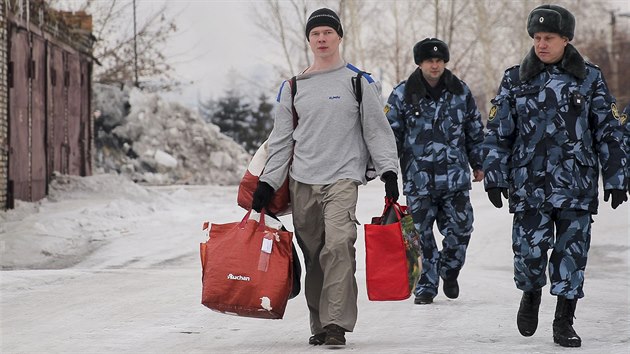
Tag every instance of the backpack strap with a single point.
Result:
(356, 86)
(293, 84)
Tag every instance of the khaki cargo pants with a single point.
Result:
(324, 218)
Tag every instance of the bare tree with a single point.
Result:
(485, 37)
(114, 48)
(285, 21)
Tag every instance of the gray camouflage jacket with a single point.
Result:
(549, 130)
(436, 140)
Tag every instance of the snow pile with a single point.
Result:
(153, 141)
(79, 215)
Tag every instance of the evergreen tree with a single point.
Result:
(263, 123)
(233, 117)
(248, 127)
(207, 109)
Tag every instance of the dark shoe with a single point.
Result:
(563, 332)
(317, 339)
(423, 299)
(335, 335)
(451, 288)
(527, 317)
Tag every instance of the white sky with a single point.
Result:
(215, 37)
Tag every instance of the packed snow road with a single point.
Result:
(119, 272)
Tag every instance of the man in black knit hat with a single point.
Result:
(439, 135)
(553, 122)
(330, 152)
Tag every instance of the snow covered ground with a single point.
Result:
(107, 266)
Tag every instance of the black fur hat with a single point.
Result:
(324, 17)
(551, 18)
(430, 48)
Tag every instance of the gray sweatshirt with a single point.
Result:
(332, 140)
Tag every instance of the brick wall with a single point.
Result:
(4, 114)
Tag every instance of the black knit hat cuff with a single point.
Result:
(324, 17)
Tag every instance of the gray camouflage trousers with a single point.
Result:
(454, 215)
(533, 237)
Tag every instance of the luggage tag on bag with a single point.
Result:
(265, 251)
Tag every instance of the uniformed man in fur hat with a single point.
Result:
(439, 136)
(552, 126)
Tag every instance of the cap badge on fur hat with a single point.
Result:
(541, 20)
(324, 17)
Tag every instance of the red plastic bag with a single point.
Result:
(391, 260)
(247, 269)
(280, 203)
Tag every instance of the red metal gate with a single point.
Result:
(38, 118)
(73, 83)
(19, 159)
(50, 126)
(57, 159)
(86, 121)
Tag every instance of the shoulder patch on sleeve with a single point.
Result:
(493, 113)
(615, 111)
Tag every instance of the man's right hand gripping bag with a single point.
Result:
(392, 263)
(247, 269)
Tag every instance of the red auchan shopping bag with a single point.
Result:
(247, 269)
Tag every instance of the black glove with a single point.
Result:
(494, 194)
(618, 197)
(262, 196)
(391, 185)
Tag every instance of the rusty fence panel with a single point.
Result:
(38, 118)
(50, 123)
(74, 112)
(19, 142)
(57, 152)
(86, 120)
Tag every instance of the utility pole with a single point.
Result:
(135, 46)
(613, 55)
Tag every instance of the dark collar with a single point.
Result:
(415, 85)
(572, 62)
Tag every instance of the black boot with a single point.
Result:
(451, 288)
(563, 332)
(527, 317)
